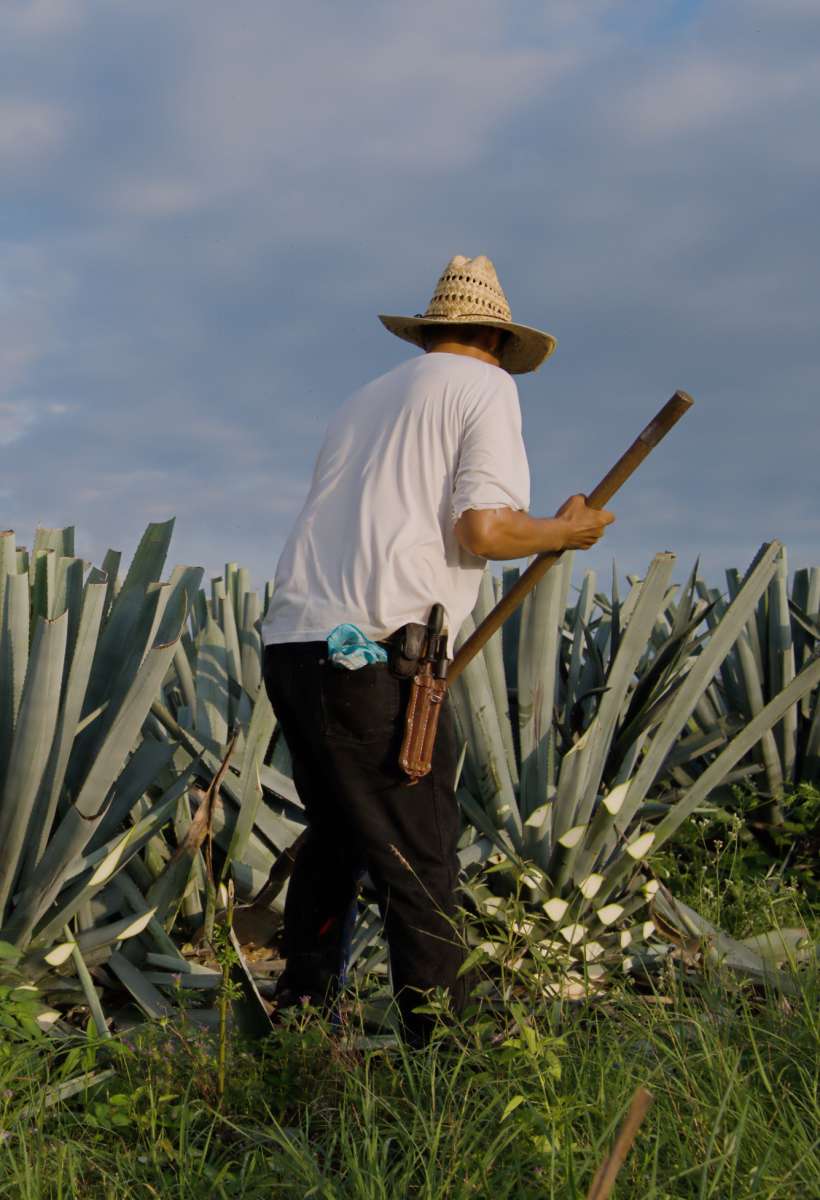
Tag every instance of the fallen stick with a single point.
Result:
(604, 1180)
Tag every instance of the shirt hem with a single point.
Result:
(276, 638)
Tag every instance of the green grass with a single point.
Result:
(745, 878)
(525, 1109)
(514, 1104)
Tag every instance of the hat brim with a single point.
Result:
(524, 350)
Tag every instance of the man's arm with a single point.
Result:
(502, 533)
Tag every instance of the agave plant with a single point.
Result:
(91, 780)
(585, 782)
(781, 635)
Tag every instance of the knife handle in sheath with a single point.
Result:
(427, 693)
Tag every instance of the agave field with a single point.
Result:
(141, 770)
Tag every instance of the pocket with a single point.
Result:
(366, 705)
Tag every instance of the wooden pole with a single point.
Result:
(628, 463)
(604, 1179)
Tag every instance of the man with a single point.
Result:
(422, 477)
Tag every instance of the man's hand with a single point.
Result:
(585, 525)
(504, 533)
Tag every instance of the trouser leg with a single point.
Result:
(407, 835)
(320, 893)
(325, 872)
(344, 729)
(408, 839)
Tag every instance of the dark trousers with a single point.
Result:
(344, 730)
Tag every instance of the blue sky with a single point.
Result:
(204, 206)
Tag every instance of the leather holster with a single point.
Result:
(405, 648)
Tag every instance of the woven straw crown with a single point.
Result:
(469, 288)
(469, 293)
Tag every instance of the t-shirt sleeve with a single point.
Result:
(492, 469)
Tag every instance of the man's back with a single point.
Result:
(374, 544)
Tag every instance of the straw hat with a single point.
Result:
(468, 293)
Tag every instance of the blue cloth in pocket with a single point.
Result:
(348, 647)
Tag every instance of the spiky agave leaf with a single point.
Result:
(780, 636)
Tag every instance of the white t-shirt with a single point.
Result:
(404, 457)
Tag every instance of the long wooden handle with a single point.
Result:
(646, 441)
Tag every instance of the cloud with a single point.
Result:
(29, 131)
(36, 19)
(155, 198)
(704, 94)
(15, 420)
(32, 289)
(209, 206)
(385, 94)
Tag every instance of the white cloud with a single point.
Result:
(15, 420)
(706, 92)
(19, 417)
(418, 87)
(32, 286)
(29, 130)
(113, 485)
(754, 15)
(155, 198)
(39, 18)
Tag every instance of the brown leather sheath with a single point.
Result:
(421, 722)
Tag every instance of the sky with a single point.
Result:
(204, 206)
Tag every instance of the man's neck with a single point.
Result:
(468, 351)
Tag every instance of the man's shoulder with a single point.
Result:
(446, 370)
(468, 386)
(483, 385)
(397, 376)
